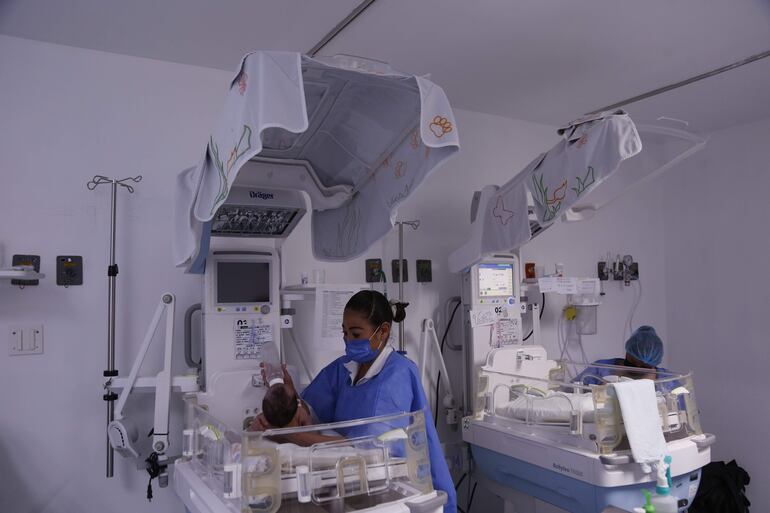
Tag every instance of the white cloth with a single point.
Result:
(376, 368)
(374, 130)
(591, 150)
(639, 407)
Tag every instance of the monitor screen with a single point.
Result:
(495, 280)
(243, 282)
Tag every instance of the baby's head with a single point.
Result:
(279, 405)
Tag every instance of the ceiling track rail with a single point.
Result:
(685, 82)
(347, 20)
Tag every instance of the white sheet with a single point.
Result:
(590, 151)
(380, 133)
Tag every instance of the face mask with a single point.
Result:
(360, 350)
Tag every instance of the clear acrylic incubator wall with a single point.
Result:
(547, 399)
(253, 472)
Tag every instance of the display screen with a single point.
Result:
(243, 282)
(495, 280)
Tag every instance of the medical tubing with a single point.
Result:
(542, 309)
(441, 351)
(448, 302)
(299, 353)
(473, 493)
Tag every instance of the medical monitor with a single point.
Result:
(243, 282)
(495, 280)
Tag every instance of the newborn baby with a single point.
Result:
(282, 408)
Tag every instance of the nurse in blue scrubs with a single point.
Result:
(372, 379)
(644, 352)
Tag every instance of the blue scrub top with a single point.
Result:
(591, 375)
(395, 389)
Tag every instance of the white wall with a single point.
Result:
(718, 292)
(68, 114)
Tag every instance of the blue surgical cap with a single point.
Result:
(645, 345)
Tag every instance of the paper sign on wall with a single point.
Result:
(330, 301)
(562, 285)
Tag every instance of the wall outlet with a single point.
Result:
(31, 260)
(373, 270)
(69, 270)
(396, 271)
(424, 271)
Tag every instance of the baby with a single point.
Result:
(283, 408)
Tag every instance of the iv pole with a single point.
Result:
(414, 225)
(112, 271)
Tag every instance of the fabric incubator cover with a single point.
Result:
(357, 122)
(591, 150)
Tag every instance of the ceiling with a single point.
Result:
(543, 61)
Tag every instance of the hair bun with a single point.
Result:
(399, 311)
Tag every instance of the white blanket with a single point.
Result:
(381, 133)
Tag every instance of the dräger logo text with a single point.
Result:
(261, 195)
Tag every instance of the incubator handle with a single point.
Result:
(704, 441)
(616, 459)
(188, 336)
(429, 505)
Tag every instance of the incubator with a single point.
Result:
(224, 469)
(537, 430)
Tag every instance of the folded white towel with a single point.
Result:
(639, 408)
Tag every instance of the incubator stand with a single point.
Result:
(536, 431)
(225, 470)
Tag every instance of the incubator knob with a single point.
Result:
(265, 309)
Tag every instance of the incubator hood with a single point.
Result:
(355, 135)
(600, 158)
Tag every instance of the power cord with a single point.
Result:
(443, 340)
(542, 309)
(473, 493)
(154, 469)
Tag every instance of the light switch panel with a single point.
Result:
(15, 334)
(33, 340)
(25, 340)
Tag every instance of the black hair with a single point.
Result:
(375, 308)
(279, 406)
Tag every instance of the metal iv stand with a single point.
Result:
(414, 224)
(112, 271)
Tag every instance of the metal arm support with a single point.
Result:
(162, 382)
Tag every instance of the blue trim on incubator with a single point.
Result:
(198, 266)
(567, 493)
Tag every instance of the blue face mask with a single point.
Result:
(360, 349)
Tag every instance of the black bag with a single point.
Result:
(721, 490)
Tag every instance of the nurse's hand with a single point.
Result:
(287, 381)
(259, 423)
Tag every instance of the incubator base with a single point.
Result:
(572, 479)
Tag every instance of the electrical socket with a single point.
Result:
(373, 270)
(396, 271)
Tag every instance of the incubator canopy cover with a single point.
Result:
(354, 134)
